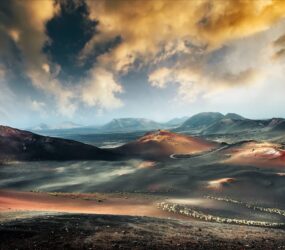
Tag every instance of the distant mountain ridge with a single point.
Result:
(217, 123)
(177, 121)
(201, 123)
(234, 116)
(202, 120)
(63, 125)
(130, 124)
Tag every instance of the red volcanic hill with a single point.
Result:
(22, 145)
(161, 144)
(256, 153)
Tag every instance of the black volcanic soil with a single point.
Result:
(26, 146)
(78, 231)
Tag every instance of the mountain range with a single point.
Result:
(59, 126)
(130, 124)
(217, 123)
(205, 123)
(177, 121)
(119, 125)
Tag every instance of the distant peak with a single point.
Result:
(209, 114)
(234, 116)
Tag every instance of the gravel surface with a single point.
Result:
(78, 231)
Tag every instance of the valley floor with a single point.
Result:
(37, 220)
(88, 203)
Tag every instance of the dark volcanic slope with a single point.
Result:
(77, 231)
(26, 146)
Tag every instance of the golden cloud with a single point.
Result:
(152, 32)
(186, 35)
(148, 26)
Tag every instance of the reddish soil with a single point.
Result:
(162, 144)
(134, 205)
(258, 154)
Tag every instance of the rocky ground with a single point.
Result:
(78, 231)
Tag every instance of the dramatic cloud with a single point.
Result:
(238, 63)
(26, 27)
(160, 32)
(147, 26)
(73, 57)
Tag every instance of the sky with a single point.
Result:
(92, 61)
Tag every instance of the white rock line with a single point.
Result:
(251, 206)
(180, 209)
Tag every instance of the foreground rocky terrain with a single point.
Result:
(78, 231)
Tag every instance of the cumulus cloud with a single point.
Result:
(201, 46)
(146, 26)
(37, 105)
(240, 62)
(100, 88)
(160, 77)
(181, 40)
(192, 84)
(203, 73)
